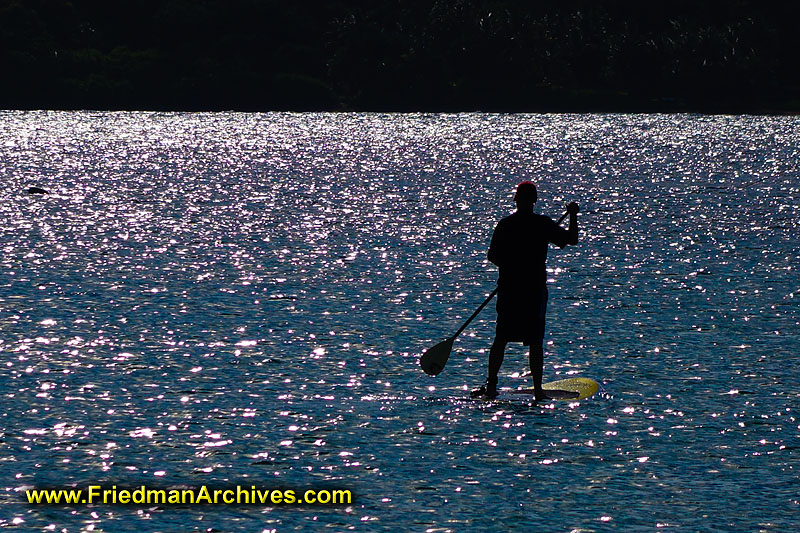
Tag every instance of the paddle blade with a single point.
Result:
(434, 359)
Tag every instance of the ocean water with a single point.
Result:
(234, 298)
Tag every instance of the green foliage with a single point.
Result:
(506, 55)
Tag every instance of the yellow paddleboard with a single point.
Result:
(567, 389)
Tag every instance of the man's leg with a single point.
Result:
(536, 361)
(496, 354)
(536, 358)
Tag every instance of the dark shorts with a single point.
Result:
(520, 316)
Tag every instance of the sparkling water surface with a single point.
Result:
(242, 298)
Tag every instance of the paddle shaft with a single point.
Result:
(488, 299)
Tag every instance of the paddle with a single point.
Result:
(434, 359)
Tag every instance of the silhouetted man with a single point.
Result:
(519, 249)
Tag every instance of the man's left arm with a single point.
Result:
(495, 254)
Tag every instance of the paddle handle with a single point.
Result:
(489, 298)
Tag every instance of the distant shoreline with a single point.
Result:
(503, 56)
(599, 110)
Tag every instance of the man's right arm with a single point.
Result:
(573, 209)
(572, 232)
(562, 237)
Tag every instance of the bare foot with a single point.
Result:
(486, 391)
(541, 395)
(477, 393)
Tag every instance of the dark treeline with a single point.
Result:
(503, 55)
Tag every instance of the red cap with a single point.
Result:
(526, 191)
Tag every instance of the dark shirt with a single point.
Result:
(519, 249)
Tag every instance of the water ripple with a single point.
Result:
(242, 298)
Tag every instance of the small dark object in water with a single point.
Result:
(36, 190)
